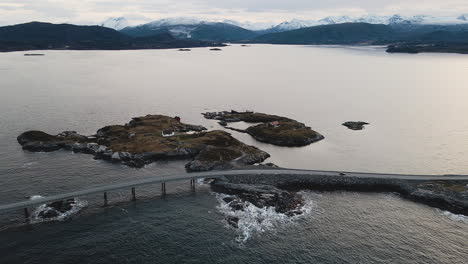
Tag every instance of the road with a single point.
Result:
(217, 174)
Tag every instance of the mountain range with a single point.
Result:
(39, 35)
(119, 23)
(192, 32)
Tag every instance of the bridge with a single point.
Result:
(163, 179)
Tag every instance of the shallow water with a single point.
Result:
(415, 105)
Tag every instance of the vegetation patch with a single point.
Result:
(153, 137)
(276, 130)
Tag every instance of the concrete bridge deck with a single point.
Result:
(217, 174)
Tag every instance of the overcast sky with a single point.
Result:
(140, 11)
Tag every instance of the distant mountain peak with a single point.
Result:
(371, 19)
(176, 21)
(463, 17)
(116, 23)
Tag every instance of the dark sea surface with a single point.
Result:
(416, 106)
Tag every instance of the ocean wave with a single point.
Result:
(35, 197)
(29, 164)
(254, 220)
(455, 217)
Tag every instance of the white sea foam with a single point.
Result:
(75, 208)
(35, 197)
(254, 220)
(456, 217)
(29, 164)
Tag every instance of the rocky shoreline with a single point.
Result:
(273, 129)
(151, 138)
(281, 191)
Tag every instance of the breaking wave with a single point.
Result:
(455, 217)
(254, 220)
(76, 207)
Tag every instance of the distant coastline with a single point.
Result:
(398, 38)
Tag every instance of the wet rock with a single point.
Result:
(229, 199)
(223, 123)
(272, 165)
(355, 125)
(260, 196)
(62, 206)
(238, 205)
(233, 221)
(48, 213)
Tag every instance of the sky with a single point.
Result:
(268, 11)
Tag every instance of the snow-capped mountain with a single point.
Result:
(116, 23)
(191, 28)
(183, 26)
(175, 21)
(249, 25)
(371, 19)
(192, 21)
(295, 24)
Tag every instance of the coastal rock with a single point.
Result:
(260, 195)
(142, 142)
(445, 195)
(276, 130)
(56, 209)
(355, 125)
(48, 213)
(222, 158)
(233, 221)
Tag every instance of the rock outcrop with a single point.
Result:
(276, 130)
(446, 195)
(355, 125)
(260, 195)
(150, 138)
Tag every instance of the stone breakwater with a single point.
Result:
(150, 138)
(446, 195)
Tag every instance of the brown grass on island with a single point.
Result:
(150, 138)
(276, 130)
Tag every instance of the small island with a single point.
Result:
(151, 138)
(355, 125)
(273, 129)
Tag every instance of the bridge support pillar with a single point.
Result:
(105, 199)
(192, 184)
(133, 194)
(163, 188)
(26, 215)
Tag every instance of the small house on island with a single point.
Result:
(168, 133)
(275, 124)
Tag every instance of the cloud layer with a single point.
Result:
(140, 11)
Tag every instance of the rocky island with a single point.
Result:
(150, 138)
(355, 125)
(273, 129)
